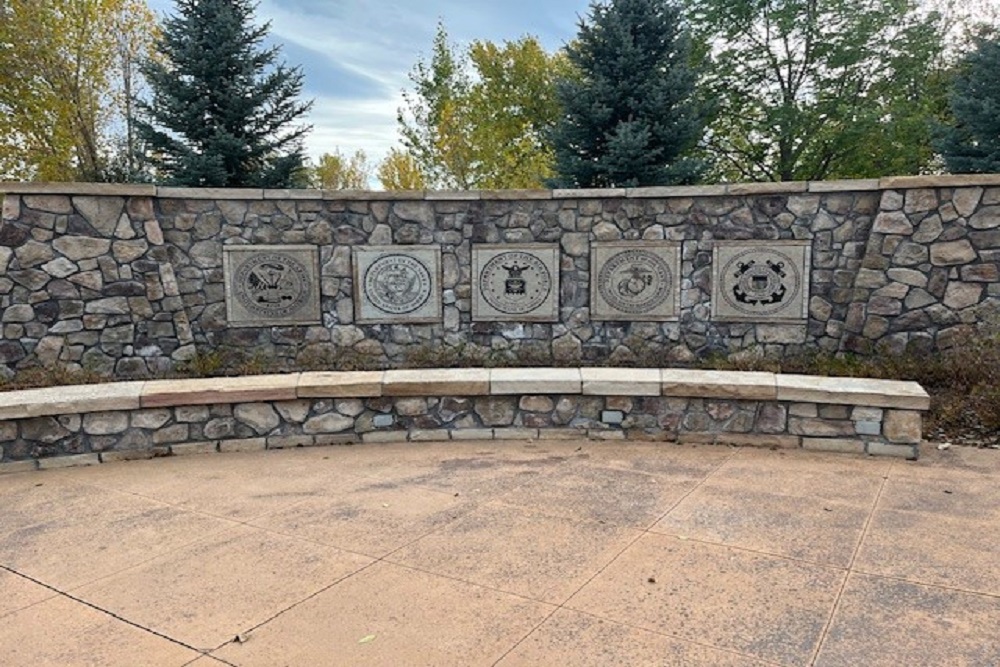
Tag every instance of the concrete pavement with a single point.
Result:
(545, 553)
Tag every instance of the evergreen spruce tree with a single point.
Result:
(629, 113)
(972, 144)
(222, 112)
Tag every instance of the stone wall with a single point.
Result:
(143, 419)
(130, 279)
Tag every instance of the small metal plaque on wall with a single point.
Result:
(397, 284)
(637, 281)
(760, 281)
(271, 285)
(515, 283)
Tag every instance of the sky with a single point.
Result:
(357, 54)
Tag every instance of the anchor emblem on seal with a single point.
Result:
(760, 284)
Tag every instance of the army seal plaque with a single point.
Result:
(271, 285)
(760, 281)
(515, 283)
(634, 281)
(397, 284)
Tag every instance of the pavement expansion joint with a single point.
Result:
(102, 610)
(850, 566)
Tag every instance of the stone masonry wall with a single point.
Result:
(129, 279)
(145, 433)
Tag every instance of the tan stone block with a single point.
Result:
(588, 193)
(18, 466)
(771, 440)
(515, 433)
(243, 445)
(134, 454)
(841, 445)
(75, 399)
(451, 195)
(939, 181)
(667, 191)
(208, 391)
(909, 452)
(290, 194)
(535, 381)
(347, 384)
(561, 433)
(430, 435)
(437, 382)
(903, 427)
(516, 195)
(473, 434)
(289, 441)
(191, 448)
(697, 438)
(385, 436)
(718, 384)
(334, 439)
(850, 185)
(602, 434)
(621, 381)
(784, 187)
(74, 461)
(852, 391)
(210, 193)
(94, 189)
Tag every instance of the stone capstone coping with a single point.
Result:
(76, 399)
(852, 391)
(717, 190)
(736, 385)
(719, 384)
(445, 382)
(343, 384)
(621, 381)
(535, 381)
(207, 391)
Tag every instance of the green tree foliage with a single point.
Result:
(630, 116)
(400, 171)
(336, 171)
(972, 143)
(223, 112)
(813, 89)
(62, 84)
(478, 118)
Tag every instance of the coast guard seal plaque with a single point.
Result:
(397, 284)
(760, 281)
(515, 283)
(637, 281)
(271, 285)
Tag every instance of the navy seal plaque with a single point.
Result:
(271, 285)
(515, 283)
(637, 281)
(396, 284)
(760, 281)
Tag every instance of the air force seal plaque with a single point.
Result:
(515, 283)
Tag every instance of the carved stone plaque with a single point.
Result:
(756, 281)
(272, 285)
(515, 283)
(395, 284)
(637, 281)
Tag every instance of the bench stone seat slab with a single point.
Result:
(621, 381)
(74, 399)
(853, 391)
(719, 384)
(206, 391)
(342, 384)
(535, 381)
(437, 382)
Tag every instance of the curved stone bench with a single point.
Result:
(82, 425)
